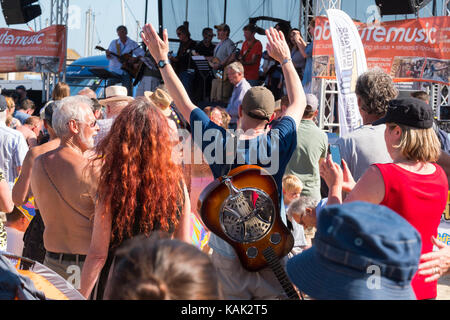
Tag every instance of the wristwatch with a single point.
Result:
(162, 63)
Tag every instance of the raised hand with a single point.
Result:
(277, 46)
(159, 48)
(331, 172)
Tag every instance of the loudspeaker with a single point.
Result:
(20, 11)
(388, 7)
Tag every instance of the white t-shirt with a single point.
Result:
(14, 241)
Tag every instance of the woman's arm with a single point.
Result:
(6, 203)
(183, 230)
(369, 188)
(98, 250)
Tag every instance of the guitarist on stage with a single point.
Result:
(250, 55)
(122, 45)
(224, 54)
(254, 114)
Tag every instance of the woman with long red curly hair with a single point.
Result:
(140, 189)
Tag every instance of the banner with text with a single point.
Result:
(42, 51)
(350, 62)
(408, 50)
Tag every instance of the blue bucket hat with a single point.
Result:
(361, 251)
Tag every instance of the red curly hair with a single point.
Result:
(139, 183)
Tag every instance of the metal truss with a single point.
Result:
(323, 5)
(59, 14)
(328, 96)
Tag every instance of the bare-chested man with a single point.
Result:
(33, 243)
(64, 187)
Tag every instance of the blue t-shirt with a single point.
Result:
(271, 151)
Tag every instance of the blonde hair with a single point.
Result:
(292, 183)
(10, 103)
(418, 144)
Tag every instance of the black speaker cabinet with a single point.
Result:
(388, 7)
(20, 11)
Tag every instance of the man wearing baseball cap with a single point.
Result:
(279, 142)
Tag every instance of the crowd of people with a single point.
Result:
(114, 194)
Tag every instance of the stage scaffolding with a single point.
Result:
(59, 12)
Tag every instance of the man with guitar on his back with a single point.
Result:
(255, 113)
(120, 47)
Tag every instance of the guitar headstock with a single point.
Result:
(100, 48)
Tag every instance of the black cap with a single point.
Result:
(21, 87)
(3, 104)
(411, 112)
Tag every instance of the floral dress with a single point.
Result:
(2, 227)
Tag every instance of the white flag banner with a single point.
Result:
(350, 62)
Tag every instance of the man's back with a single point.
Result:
(363, 147)
(64, 189)
(304, 163)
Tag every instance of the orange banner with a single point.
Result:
(408, 50)
(41, 51)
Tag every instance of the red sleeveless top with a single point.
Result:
(421, 200)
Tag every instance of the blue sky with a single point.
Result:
(108, 16)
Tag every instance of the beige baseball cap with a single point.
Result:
(258, 103)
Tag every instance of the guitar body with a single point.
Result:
(248, 218)
(129, 66)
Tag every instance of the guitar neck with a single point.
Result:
(111, 53)
(274, 263)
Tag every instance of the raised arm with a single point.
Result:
(159, 49)
(278, 49)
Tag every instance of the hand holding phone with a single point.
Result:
(335, 152)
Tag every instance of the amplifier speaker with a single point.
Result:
(20, 11)
(388, 7)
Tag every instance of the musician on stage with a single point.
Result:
(250, 55)
(182, 62)
(121, 46)
(206, 47)
(224, 54)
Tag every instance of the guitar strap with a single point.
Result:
(248, 50)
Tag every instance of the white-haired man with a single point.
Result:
(235, 73)
(116, 100)
(64, 186)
